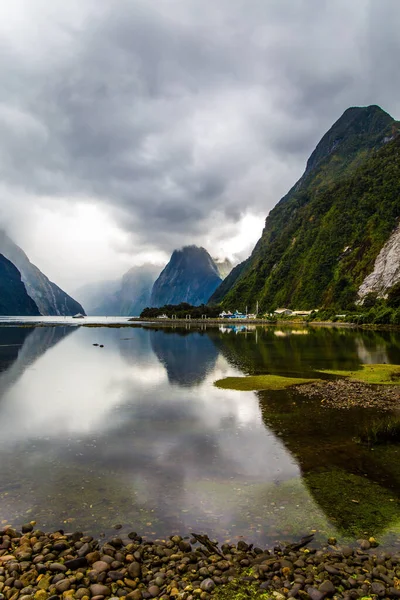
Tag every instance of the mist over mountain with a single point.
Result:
(48, 297)
(127, 296)
(224, 266)
(190, 276)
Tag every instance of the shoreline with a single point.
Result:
(137, 321)
(196, 323)
(47, 566)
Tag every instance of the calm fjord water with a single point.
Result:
(135, 433)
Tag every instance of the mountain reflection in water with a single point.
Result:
(136, 433)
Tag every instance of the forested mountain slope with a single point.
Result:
(322, 238)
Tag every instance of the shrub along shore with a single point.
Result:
(47, 566)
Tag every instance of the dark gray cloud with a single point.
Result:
(181, 117)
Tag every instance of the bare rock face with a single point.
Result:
(386, 269)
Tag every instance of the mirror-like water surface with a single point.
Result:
(135, 433)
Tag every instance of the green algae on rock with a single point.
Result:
(378, 374)
(356, 506)
(260, 382)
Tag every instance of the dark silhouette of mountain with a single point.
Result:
(190, 276)
(14, 299)
(48, 297)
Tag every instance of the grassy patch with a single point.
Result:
(384, 430)
(380, 374)
(260, 382)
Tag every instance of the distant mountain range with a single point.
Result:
(190, 273)
(127, 296)
(335, 236)
(48, 297)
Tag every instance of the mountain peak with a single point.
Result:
(190, 276)
(323, 237)
(358, 126)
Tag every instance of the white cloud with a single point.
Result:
(174, 124)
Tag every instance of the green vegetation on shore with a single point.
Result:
(260, 382)
(180, 311)
(376, 374)
(384, 430)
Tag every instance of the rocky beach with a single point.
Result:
(35, 565)
(345, 394)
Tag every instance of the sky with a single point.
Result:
(131, 128)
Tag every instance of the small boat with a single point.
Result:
(78, 316)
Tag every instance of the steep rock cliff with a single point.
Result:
(14, 299)
(49, 298)
(190, 276)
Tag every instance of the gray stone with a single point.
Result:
(85, 549)
(314, 593)
(63, 585)
(207, 585)
(154, 590)
(185, 546)
(332, 570)
(294, 591)
(58, 567)
(98, 589)
(327, 588)
(134, 570)
(115, 575)
(365, 545)
(378, 588)
(100, 566)
(82, 592)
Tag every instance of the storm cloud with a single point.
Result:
(177, 118)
